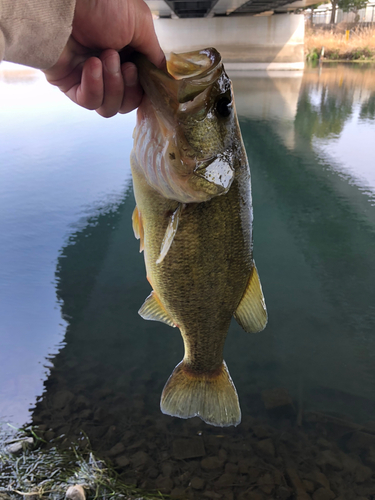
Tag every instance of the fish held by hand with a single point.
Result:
(194, 220)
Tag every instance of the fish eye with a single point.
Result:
(224, 107)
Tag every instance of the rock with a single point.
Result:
(321, 479)
(148, 484)
(212, 463)
(116, 450)
(323, 443)
(19, 446)
(184, 478)
(298, 486)
(81, 402)
(233, 459)
(262, 431)
(250, 495)
(49, 435)
(348, 463)
(243, 465)
(211, 494)
(197, 483)
(225, 481)
(75, 493)
(111, 436)
(323, 494)
(138, 444)
(265, 448)
(328, 458)
(122, 461)
(265, 483)
(369, 458)
(223, 455)
(167, 469)
(227, 494)
(231, 468)
(188, 448)
(362, 473)
(277, 398)
(164, 484)
(153, 473)
(85, 414)
(360, 441)
(278, 477)
(178, 493)
(140, 460)
(254, 472)
(309, 485)
(62, 399)
(284, 493)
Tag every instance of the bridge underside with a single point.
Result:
(210, 8)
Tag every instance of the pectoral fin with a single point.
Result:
(251, 312)
(138, 228)
(170, 233)
(153, 310)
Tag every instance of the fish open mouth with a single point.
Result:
(189, 74)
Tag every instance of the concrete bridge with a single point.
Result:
(253, 35)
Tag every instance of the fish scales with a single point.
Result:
(200, 296)
(198, 254)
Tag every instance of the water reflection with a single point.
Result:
(58, 162)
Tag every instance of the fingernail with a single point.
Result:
(112, 64)
(131, 76)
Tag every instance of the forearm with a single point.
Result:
(34, 32)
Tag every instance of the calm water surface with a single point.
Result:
(74, 354)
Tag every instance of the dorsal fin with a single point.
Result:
(251, 312)
(138, 227)
(153, 310)
(170, 233)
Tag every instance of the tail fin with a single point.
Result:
(210, 396)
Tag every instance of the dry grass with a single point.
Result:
(41, 473)
(360, 46)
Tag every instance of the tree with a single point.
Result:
(313, 7)
(352, 6)
(333, 12)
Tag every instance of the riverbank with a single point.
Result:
(334, 46)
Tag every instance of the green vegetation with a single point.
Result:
(359, 47)
(42, 471)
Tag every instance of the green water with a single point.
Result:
(314, 245)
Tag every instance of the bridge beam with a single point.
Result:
(245, 42)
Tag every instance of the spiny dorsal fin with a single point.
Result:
(251, 312)
(138, 228)
(170, 233)
(153, 310)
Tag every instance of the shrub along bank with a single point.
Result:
(334, 46)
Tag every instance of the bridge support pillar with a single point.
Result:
(245, 42)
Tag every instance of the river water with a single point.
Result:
(74, 354)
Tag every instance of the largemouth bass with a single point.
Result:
(194, 220)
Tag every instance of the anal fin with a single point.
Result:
(138, 228)
(251, 312)
(153, 310)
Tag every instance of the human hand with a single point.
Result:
(89, 70)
